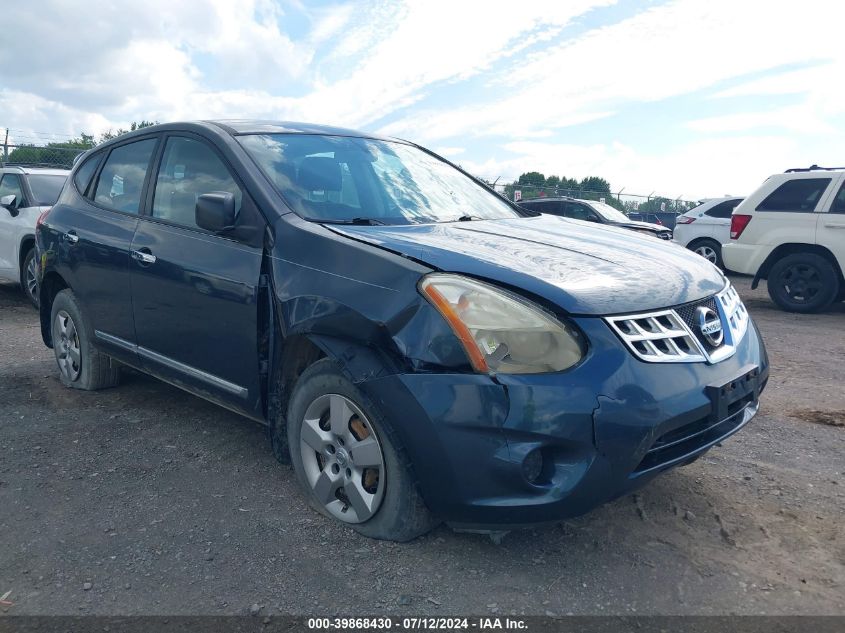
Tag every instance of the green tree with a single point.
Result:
(61, 154)
(57, 154)
(135, 125)
(594, 183)
(655, 205)
(532, 178)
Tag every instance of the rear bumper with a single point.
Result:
(680, 235)
(604, 428)
(744, 258)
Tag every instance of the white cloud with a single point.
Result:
(449, 151)
(801, 118)
(362, 63)
(705, 168)
(669, 50)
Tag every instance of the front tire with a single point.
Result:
(29, 276)
(347, 459)
(81, 366)
(803, 282)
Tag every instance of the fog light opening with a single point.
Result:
(532, 466)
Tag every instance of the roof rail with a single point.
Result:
(43, 165)
(812, 168)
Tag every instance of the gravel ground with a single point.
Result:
(146, 500)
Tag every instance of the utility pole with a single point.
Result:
(6, 147)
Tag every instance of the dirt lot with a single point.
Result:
(146, 500)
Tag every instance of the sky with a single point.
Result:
(686, 98)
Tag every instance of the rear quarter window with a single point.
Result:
(838, 205)
(800, 195)
(82, 177)
(723, 209)
(46, 188)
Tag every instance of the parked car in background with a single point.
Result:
(593, 211)
(791, 232)
(421, 349)
(703, 229)
(25, 192)
(664, 218)
(644, 217)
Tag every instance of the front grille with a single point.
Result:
(658, 337)
(687, 313)
(674, 335)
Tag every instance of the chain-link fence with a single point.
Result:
(640, 207)
(622, 201)
(40, 149)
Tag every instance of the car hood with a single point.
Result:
(582, 267)
(636, 224)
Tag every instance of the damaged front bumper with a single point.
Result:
(603, 429)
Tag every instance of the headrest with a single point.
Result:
(319, 173)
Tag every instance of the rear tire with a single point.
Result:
(340, 418)
(709, 249)
(29, 276)
(803, 282)
(81, 366)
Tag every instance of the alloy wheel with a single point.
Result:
(31, 280)
(801, 282)
(708, 253)
(342, 458)
(67, 348)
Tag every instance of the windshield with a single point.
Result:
(46, 188)
(350, 179)
(609, 213)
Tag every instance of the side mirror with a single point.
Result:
(215, 211)
(10, 203)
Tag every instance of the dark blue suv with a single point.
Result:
(419, 348)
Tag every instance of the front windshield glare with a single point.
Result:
(609, 212)
(350, 179)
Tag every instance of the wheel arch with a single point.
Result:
(792, 249)
(297, 352)
(26, 242)
(51, 284)
(702, 238)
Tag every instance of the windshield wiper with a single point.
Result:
(358, 221)
(467, 218)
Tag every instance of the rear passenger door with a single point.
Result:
(195, 292)
(91, 233)
(831, 229)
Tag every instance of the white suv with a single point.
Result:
(25, 192)
(791, 232)
(705, 228)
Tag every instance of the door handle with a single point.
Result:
(144, 258)
(834, 226)
(71, 237)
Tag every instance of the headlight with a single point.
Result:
(501, 332)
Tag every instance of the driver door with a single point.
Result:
(194, 293)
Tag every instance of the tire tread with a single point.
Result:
(99, 371)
